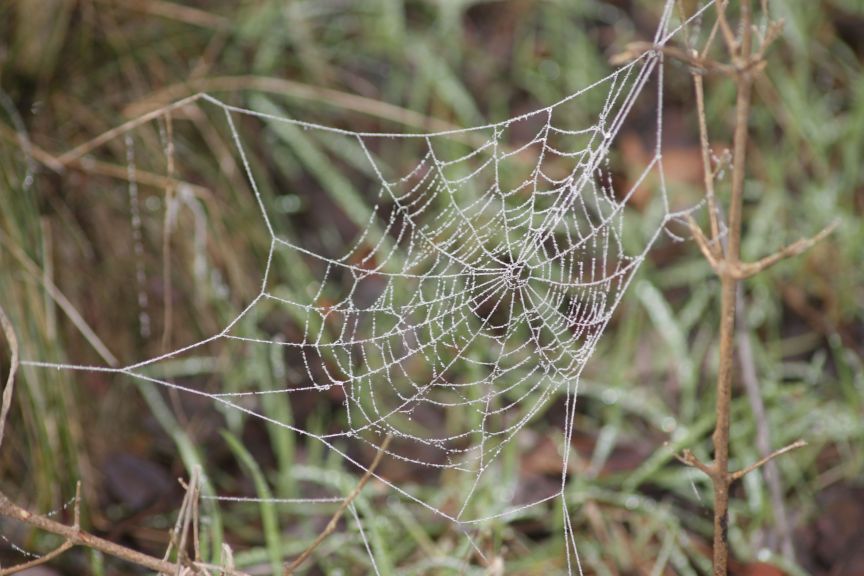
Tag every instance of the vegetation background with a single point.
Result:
(71, 69)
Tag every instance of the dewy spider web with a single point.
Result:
(481, 280)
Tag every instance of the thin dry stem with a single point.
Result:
(12, 341)
(334, 520)
(727, 312)
(731, 270)
(98, 167)
(744, 471)
(344, 100)
(178, 12)
(687, 457)
(743, 270)
(698, 63)
(167, 289)
(61, 300)
(747, 270)
(74, 536)
(634, 50)
(728, 35)
(709, 43)
(86, 147)
(45, 558)
(698, 85)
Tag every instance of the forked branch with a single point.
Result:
(743, 270)
(744, 62)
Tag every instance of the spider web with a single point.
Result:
(482, 275)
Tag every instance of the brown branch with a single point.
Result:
(98, 167)
(698, 86)
(86, 147)
(746, 270)
(76, 537)
(634, 50)
(334, 520)
(73, 535)
(728, 35)
(711, 251)
(744, 471)
(744, 70)
(294, 89)
(45, 558)
(711, 36)
(687, 457)
(66, 545)
(699, 63)
(771, 35)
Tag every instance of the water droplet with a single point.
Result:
(153, 203)
(668, 424)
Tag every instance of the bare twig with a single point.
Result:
(76, 537)
(727, 313)
(698, 85)
(744, 471)
(73, 535)
(45, 558)
(712, 251)
(86, 147)
(98, 167)
(66, 545)
(334, 520)
(771, 36)
(291, 88)
(699, 63)
(687, 457)
(728, 35)
(743, 270)
(712, 35)
(634, 50)
(723, 254)
(746, 270)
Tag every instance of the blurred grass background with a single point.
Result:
(70, 70)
